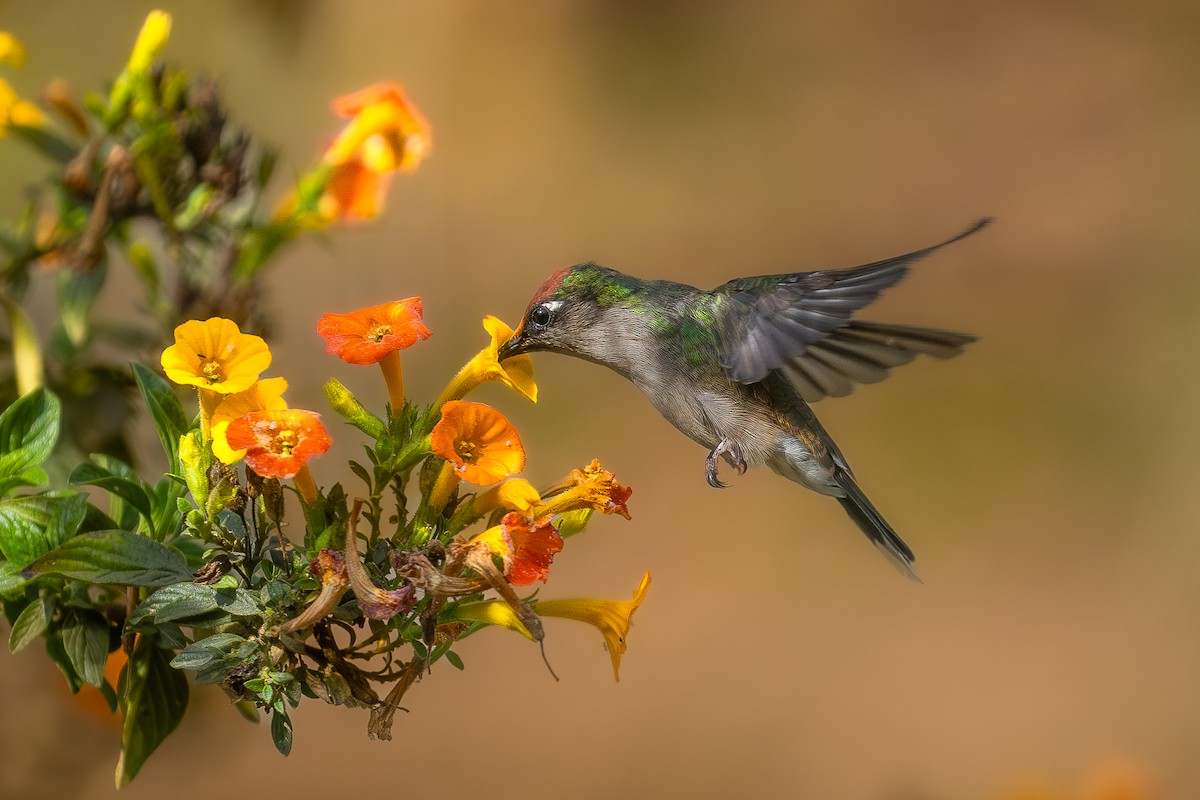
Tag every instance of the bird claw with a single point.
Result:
(731, 454)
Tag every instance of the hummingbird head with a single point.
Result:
(568, 312)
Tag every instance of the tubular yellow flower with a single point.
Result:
(265, 395)
(612, 617)
(150, 41)
(516, 373)
(493, 612)
(16, 111)
(591, 487)
(12, 52)
(516, 494)
(216, 356)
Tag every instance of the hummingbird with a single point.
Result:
(736, 369)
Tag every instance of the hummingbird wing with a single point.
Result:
(765, 322)
(865, 352)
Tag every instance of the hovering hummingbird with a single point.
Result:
(736, 368)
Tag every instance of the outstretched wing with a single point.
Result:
(767, 322)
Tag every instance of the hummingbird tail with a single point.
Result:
(872, 523)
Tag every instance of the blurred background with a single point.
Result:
(1046, 479)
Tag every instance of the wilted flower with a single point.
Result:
(330, 569)
(374, 602)
(216, 356)
(278, 443)
(516, 373)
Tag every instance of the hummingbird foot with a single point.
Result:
(732, 455)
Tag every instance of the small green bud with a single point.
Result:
(195, 457)
(343, 401)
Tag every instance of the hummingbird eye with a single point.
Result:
(540, 316)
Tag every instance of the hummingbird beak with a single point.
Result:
(513, 347)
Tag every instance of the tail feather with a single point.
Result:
(872, 523)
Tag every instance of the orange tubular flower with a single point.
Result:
(266, 395)
(386, 134)
(525, 546)
(367, 335)
(591, 487)
(479, 442)
(376, 335)
(278, 443)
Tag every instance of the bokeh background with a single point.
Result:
(1046, 479)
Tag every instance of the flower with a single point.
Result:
(591, 487)
(264, 395)
(516, 494)
(612, 617)
(516, 373)
(278, 443)
(493, 612)
(386, 134)
(525, 546)
(480, 443)
(367, 335)
(150, 41)
(374, 602)
(16, 111)
(215, 355)
(12, 52)
(330, 569)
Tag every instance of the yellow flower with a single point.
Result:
(12, 52)
(386, 132)
(591, 487)
(265, 395)
(516, 373)
(493, 612)
(516, 494)
(150, 41)
(216, 356)
(16, 111)
(612, 617)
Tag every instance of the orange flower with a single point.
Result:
(591, 487)
(480, 443)
(278, 443)
(386, 134)
(367, 335)
(525, 546)
(265, 395)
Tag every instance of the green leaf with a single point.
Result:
(11, 582)
(154, 697)
(281, 731)
(454, 659)
(46, 142)
(31, 623)
(117, 557)
(85, 637)
(33, 525)
(130, 489)
(209, 652)
(190, 600)
(77, 292)
(165, 410)
(28, 432)
(58, 654)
